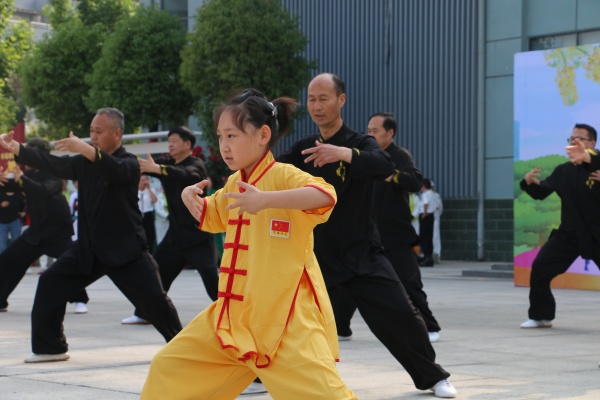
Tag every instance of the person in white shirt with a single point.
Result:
(161, 217)
(426, 219)
(146, 200)
(438, 208)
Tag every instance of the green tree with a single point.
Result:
(53, 76)
(15, 42)
(138, 71)
(535, 219)
(243, 43)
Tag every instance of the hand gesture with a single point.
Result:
(192, 200)
(577, 152)
(6, 142)
(323, 154)
(595, 175)
(18, 173)
(71, 144)
(249, 201)
(148, 165)
(531, 176)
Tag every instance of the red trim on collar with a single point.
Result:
(247, 178)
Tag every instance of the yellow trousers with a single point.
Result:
(194, 366)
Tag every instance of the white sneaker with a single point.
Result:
(80, 308)
(533, 323)
(254, 388)
(135, 320)
(344, 338)
(40, 358)
(444, 389)
(434, 337)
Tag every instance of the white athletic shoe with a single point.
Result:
(533, 323)
(344, 338)
(254, 388)
(434, 337)
(80, 308)
(40, 358)
(444, 389)
(135, 320)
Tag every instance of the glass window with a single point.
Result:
(589, 37)
(553, 42)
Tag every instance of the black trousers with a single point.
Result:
(404, 261)
(426, 234)
(150, 229)
(389, 313)
(554, 258)
(172, 260)
(137, 280)
(18, 256)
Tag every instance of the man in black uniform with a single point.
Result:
(111, 239)
(50, 230)
(579, 231)
(184, 242)
(398, 236)
(393, 216)
(347, 245)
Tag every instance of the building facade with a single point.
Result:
(445, 69)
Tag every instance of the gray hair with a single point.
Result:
(115, 115)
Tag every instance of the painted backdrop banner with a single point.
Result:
(554, 90)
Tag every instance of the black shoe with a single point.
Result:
(427, 262)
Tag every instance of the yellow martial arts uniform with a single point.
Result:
(273, 317)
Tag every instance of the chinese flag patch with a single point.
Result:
(280, 228)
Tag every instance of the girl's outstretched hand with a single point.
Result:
(192, 200)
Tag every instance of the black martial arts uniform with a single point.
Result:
(349, 253)
(577, 235)
(111, 242)
(184, 242)
(49, 233)
(398, 236)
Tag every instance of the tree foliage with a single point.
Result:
(15, 42)
(535, 219)
(53, 77)
(243, 43)
(138, 71)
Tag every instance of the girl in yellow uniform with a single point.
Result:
(273, 318)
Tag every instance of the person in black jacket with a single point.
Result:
(50, 230)
(578, 234)
(347, 246)
(111, 238)
(393, 216)
(183, 243)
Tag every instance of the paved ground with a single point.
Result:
(488, 356)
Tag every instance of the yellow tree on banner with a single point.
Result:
(566, 61)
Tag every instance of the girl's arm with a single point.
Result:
(252, 200)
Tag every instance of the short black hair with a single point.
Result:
(40, 144)
(590, 130)
(184, 133)
(427, 183)
(389, 122)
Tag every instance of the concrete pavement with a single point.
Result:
(481, 345)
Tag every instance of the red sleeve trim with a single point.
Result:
(328, 194)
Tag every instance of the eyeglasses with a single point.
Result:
(570, 139)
